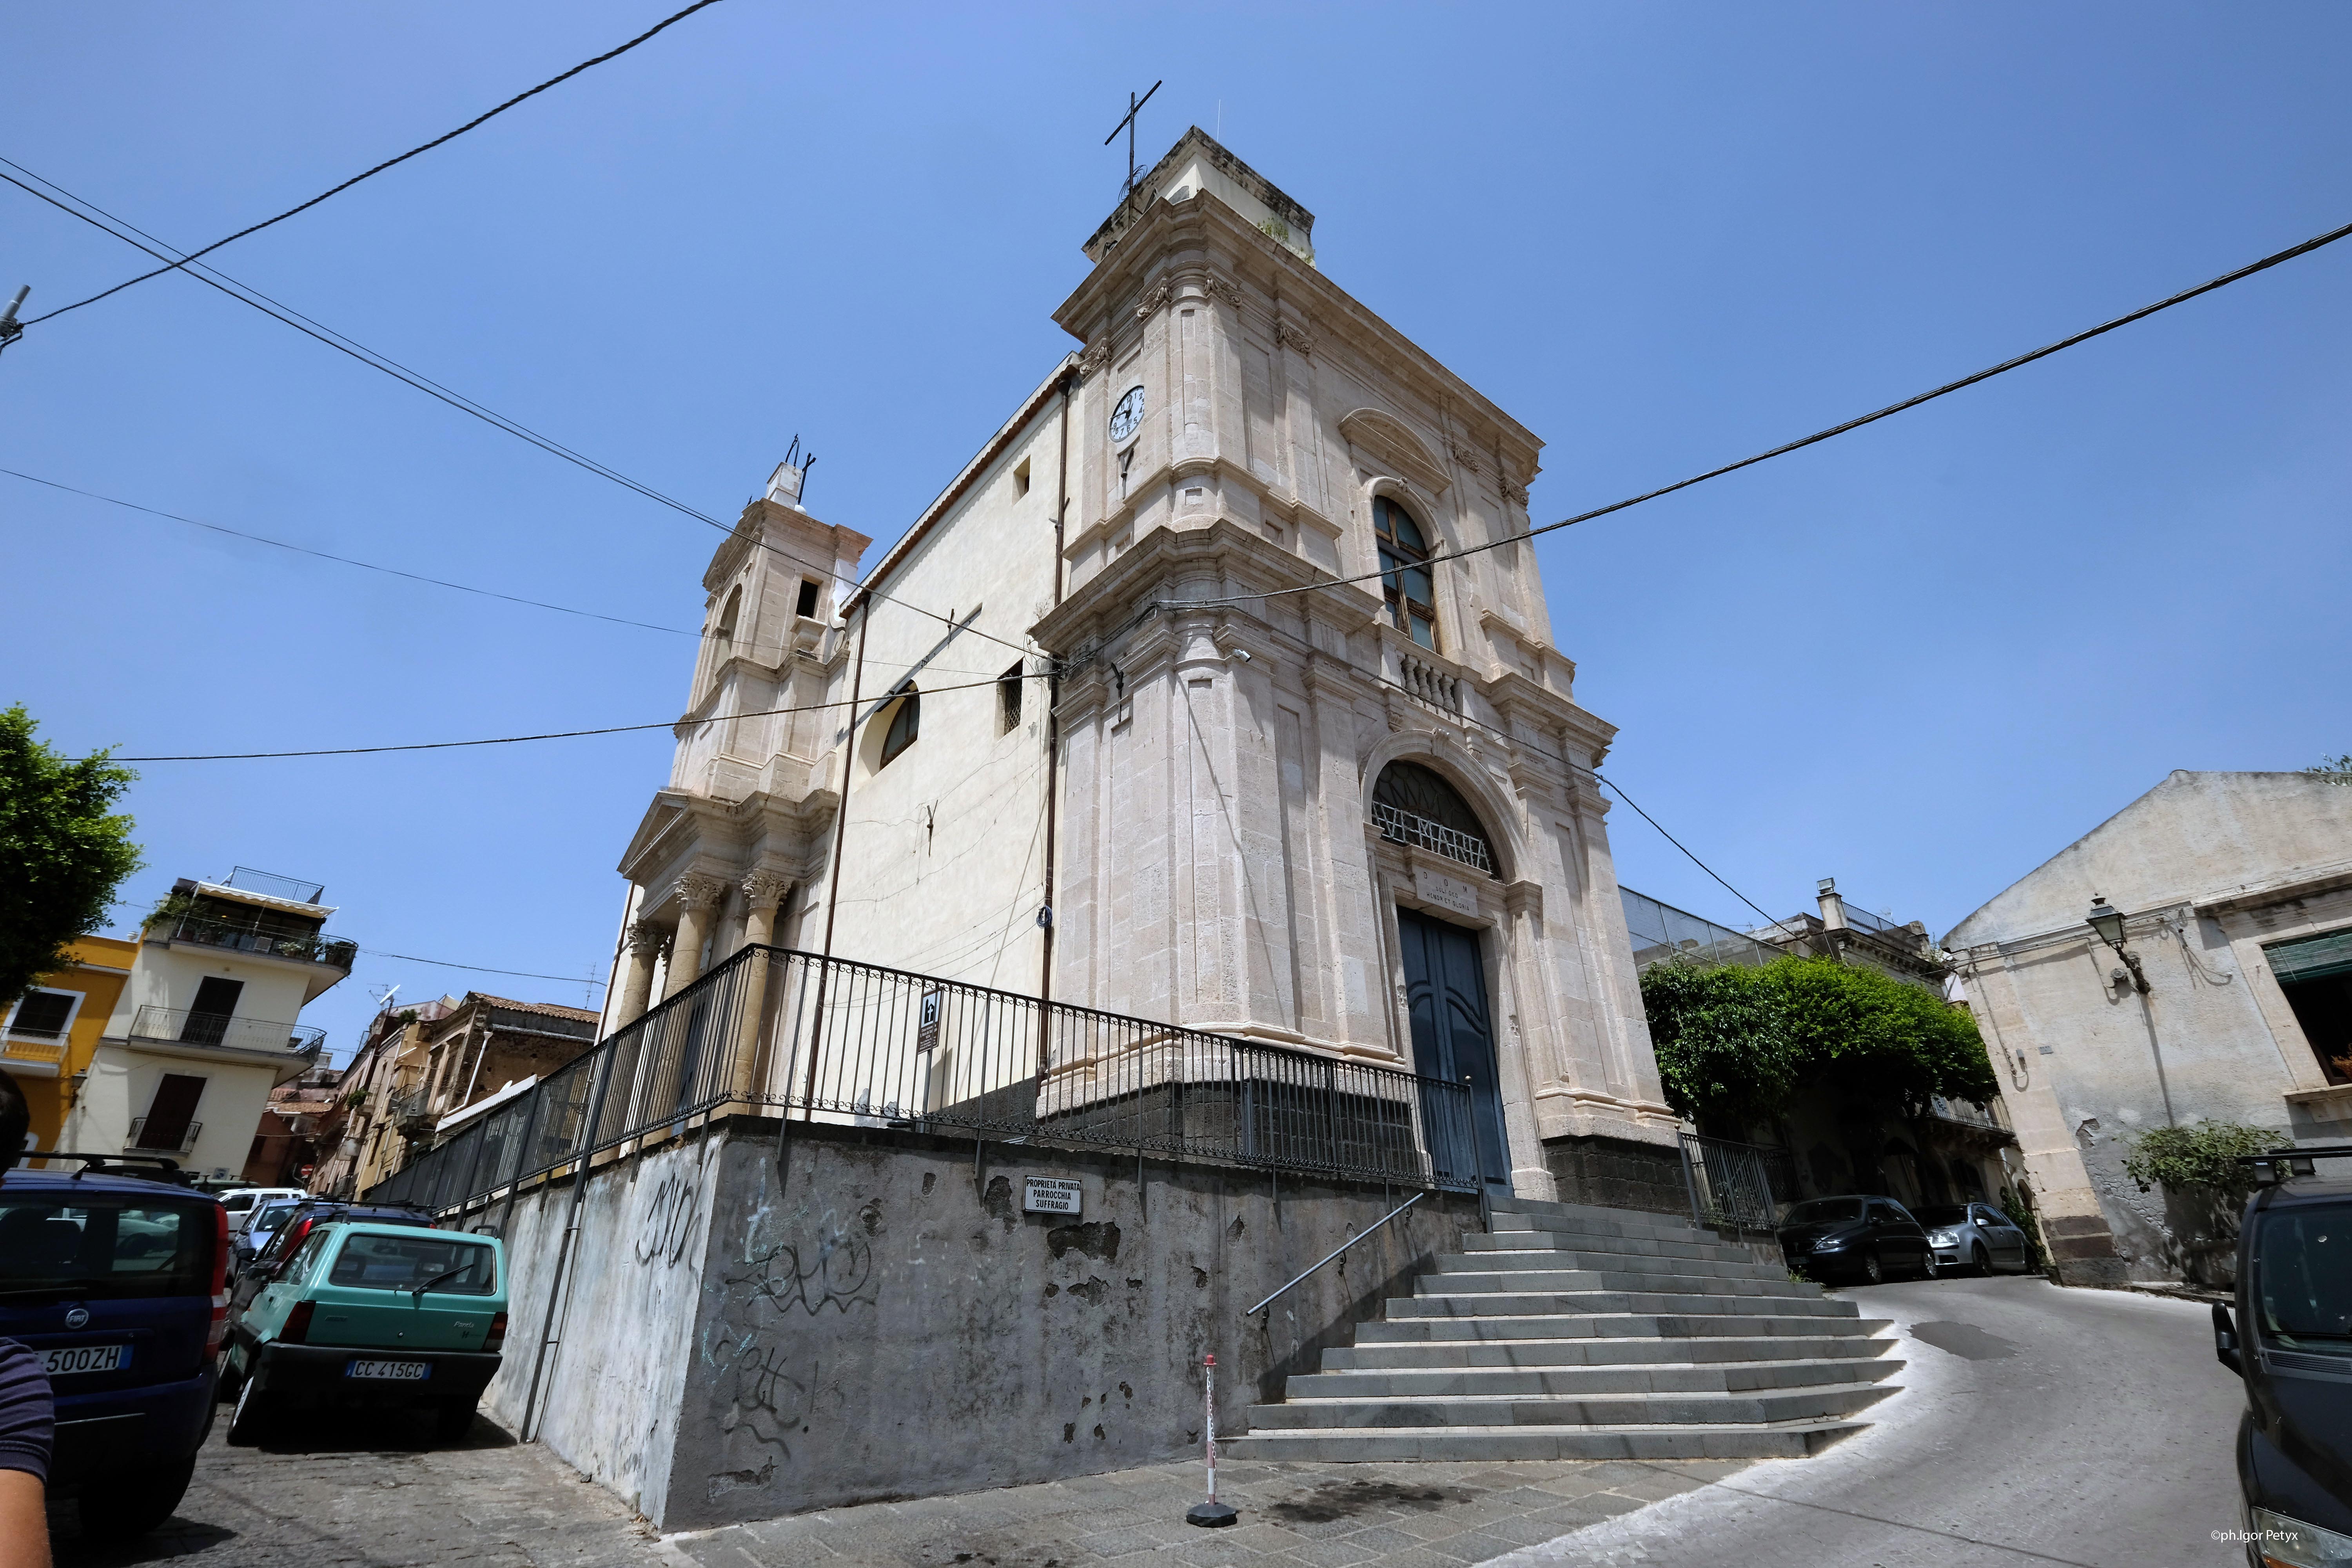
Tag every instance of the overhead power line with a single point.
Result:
(560, 734)
(481, 969)
(2289, 253)
(380, 168)
(245, 294)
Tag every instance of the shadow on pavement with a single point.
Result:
(174, 1538)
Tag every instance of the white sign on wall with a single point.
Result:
(1446, 892)
(1051, 1195)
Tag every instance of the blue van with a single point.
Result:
(115, 1273)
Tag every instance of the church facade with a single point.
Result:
(1163, 707)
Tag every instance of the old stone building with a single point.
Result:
(2230, 1001)
(1112, 742)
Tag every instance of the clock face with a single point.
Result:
(1127, 415)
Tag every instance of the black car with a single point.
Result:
(112, 1274)
(308, 1215)
(1865, 1239)
(2292, 1341)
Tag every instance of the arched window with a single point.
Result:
(724, 635)
(1404, 563)
(1412, 805)
(906, 725)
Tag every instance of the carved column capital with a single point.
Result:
(1293, 336)
(764, 890)
(1098, 355)
(646, 941)
(1155, 301)
(697, 890)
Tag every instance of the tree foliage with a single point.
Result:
(2335, 770)
(64, 850)
(1737, 1045)
(2187, 1161)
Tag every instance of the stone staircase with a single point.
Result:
(1569, 1332)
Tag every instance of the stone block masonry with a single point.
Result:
(869, 1318)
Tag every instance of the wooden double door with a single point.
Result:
(1453, 1039)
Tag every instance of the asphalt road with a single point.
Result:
(2035, 1426)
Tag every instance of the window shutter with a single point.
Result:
(2313, 958)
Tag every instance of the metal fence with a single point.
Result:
(1662, 933)
(1735, 1183)
(828, 1040)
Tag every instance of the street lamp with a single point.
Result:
(2108, 921)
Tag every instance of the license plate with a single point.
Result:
(391, 1371)
(66, 1360)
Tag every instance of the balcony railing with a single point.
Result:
(138, 1139)
(184, 1026)
(409, 1106)
(1965, 1112)
(1404, 828)
(310, 947)
(821, 1039)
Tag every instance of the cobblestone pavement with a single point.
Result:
(1292, 1516)
(374, 1492)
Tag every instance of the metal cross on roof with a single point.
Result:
(1128, 125)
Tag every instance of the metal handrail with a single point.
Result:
(1343, 1247)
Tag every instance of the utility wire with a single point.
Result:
(347, 561)
(556, 734)
(480, 969)
(2289, 253)
(341, 342)
(380, 168)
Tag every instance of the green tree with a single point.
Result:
(2335, 770)
(1736, 1045)
(1723, 1050)
(2187, 1161)
(63, 851)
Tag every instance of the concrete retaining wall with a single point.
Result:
(866, 1321)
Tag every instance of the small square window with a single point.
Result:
(806, 608)
(43, 1015)
(1008, 700)
(1021, 479)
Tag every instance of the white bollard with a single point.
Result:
(1212, 1513)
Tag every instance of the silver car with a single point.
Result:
(1976, 1237)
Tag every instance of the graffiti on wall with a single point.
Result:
(667, 1222)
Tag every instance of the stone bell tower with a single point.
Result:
(1359, 818)
(741, 824)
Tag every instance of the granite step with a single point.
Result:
(1499, 1281)
(1695, 1408)
(1534, 1304)
(1615, 1325)
(1622, 1377)
(1585, 1242)
(1491, 1445)
(1456, 1354)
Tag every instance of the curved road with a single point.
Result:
(2035, 1426)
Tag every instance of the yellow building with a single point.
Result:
(52, 1031)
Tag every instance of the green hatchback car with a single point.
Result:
(371, 1316)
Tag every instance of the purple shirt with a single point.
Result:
(27, 1413)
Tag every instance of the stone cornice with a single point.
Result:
(1203, 222)
(1247, 562)
(1276, 503)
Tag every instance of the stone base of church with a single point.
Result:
(1618, 1173)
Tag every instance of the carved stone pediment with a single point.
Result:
(1388, 440)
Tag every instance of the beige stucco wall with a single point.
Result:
(2208, 867)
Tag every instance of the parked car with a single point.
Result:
(293, 1227)
(1978, 1237)
(240, 1202)
(114, 1274)
(1866, 1238)
(373, 1316)
(251, 1239)
(2291, 1340)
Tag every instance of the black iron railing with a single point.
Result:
(188, 1026)
(1738, 1184)
(827, 1040)
(310, 947)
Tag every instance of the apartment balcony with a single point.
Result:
(305, 947)
(162, 1143)
(412, 1112)
(182, 1025)
(1964, 1122)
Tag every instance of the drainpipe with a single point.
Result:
(833, 877)
(1054, 739)
(558, 1286)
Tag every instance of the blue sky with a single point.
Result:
(1921, 659)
